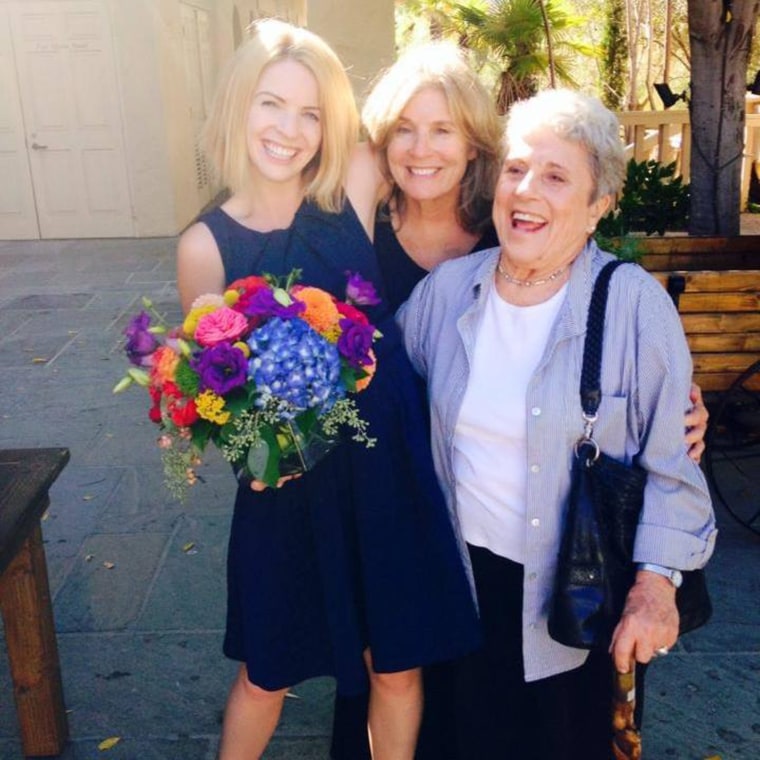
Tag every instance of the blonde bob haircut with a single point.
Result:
(577, 118)
(224, 135)
(441, 65)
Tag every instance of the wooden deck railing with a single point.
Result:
(665, 136)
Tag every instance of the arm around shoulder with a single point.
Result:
(199, 265)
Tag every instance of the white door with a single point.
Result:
(70, 101)
(196, 49)
(18, 218)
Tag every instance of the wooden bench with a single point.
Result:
(25, 478)
(715, 283)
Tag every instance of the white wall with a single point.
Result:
(142, 33)
(159, 137)
(361, 32)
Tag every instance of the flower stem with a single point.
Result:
(294, 436)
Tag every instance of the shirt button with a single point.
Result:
(533, 626)
(532, 576)
(535, 522)
(535, 411)
(535, 468)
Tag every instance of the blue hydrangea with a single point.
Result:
(293, 368)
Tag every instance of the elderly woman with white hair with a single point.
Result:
(499, 337)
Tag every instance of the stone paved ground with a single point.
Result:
(140, 642)
(750, 224)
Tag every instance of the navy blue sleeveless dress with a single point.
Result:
(359, 551)
(400, 274)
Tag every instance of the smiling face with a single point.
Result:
(283, 129)
(542, 209)
(428, 153)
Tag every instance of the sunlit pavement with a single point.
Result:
(139, 580)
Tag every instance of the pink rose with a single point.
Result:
(224, 324)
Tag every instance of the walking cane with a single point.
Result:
(626, 739)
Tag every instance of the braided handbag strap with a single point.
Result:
(591, 393)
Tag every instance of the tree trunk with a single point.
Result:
(649, 52)
(632, 29)
(720, 33)
(667, 47)
(549, 45)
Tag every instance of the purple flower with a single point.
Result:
(140, 343)
(360, 291)
(220, 368)
(355, 342)
(264, 304)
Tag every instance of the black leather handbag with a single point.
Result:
(595, 567)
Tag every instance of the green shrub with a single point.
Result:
(625, 247)
(653, 200)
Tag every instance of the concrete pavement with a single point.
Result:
(138, 580)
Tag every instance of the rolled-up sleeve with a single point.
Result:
(677, 525)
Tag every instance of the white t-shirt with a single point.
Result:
(490, 459)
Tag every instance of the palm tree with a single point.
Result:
(529, 39)
(549, 44)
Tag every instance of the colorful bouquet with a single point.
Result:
(264, 371)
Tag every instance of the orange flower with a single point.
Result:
(363, 382)
(321, 313)
(164, 365)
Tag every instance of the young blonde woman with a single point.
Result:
(351, 570)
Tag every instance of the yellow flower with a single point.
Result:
(331, 334)
(243, 347)
(191, 320)
(210, 407)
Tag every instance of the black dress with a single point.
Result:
(400, 273)
(359, 551)
(437, 739)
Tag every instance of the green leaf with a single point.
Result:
(140, 376)
(258, 456)
(264, 459)
(123, 384)
(237, 402)
(200, 433)
(184, 347)
(282, 297)
(348, 378)
(653, 200)
(293, 277)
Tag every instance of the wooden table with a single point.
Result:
(25, 478)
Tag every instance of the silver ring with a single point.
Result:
(661, 651)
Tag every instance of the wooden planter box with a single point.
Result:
(715, 283)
